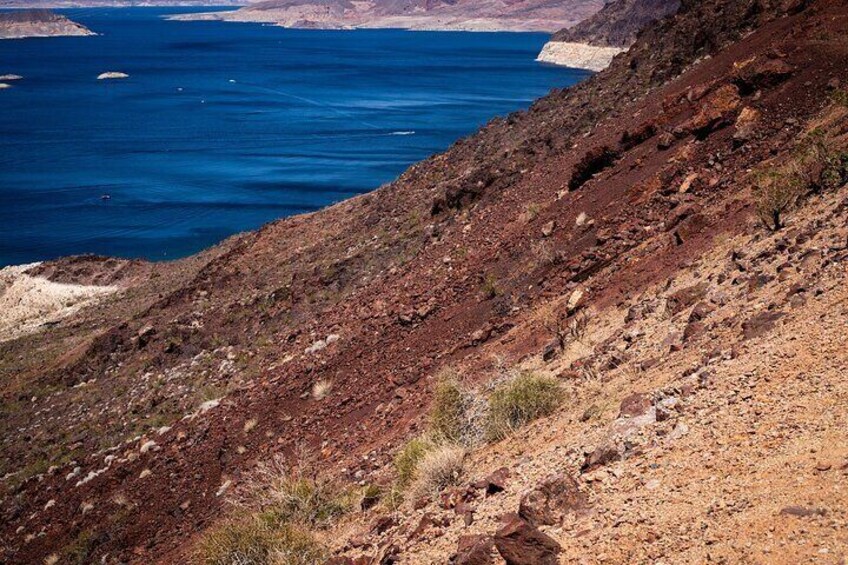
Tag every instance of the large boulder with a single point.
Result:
(474, 550)
(550, 501)
(521, 543)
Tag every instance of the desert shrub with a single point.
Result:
(407, 459)
(490, 289)
(310, 501)
(438, 469)
(520, 401)
(776, 191)
(822, 166)
(294, 495)
(448, 411)
(255, 541)
(543, 254)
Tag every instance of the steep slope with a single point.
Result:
(125, 427)
(38, 23)
(485, 15)
(595, 41)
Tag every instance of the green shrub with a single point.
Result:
(407, 459)
(520, 401)
(490, 288)
(254, 541)
(447, 413)
(775, 192)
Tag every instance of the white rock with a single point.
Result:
(111, 75)
(50, 504)
(144, 474)
(574, 300)
(224, 488)
(148, 446)
(209, 405)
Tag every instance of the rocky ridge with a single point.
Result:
(458, 15)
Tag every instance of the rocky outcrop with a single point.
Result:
(38, 23)
(594, 42)
(578, 55)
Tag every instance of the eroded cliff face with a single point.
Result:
(594, 42)
(578, 55)
(38, 23)
(713, 350)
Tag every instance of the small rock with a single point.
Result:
(635, 405)
(575, 300)
(802, 512)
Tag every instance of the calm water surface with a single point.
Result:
(222, 127)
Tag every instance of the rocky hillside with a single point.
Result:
(115, 3)
(595, 41)
(38, 23)
(478, 15)
(606, 330)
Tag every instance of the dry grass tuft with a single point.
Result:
(299, 498)
(255, 541)
(321, 389)
(437, 470)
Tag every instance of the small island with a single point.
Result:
(112, 75)
(21, 24)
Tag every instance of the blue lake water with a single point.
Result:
(222, 127)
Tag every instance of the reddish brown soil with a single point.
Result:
(429, 271)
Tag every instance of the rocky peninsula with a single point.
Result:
(21, 24)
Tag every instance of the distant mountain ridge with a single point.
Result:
(115, 3)
(476, 15)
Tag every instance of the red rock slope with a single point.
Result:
(124, 426)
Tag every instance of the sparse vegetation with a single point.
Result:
(448, 411)
(438, 469)
(254, 541)
(543, 254)
(490, 288)
(814, 167)
(407, 459)
(298, 498)
(321, 389)
(520, 401)
(775, 192)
